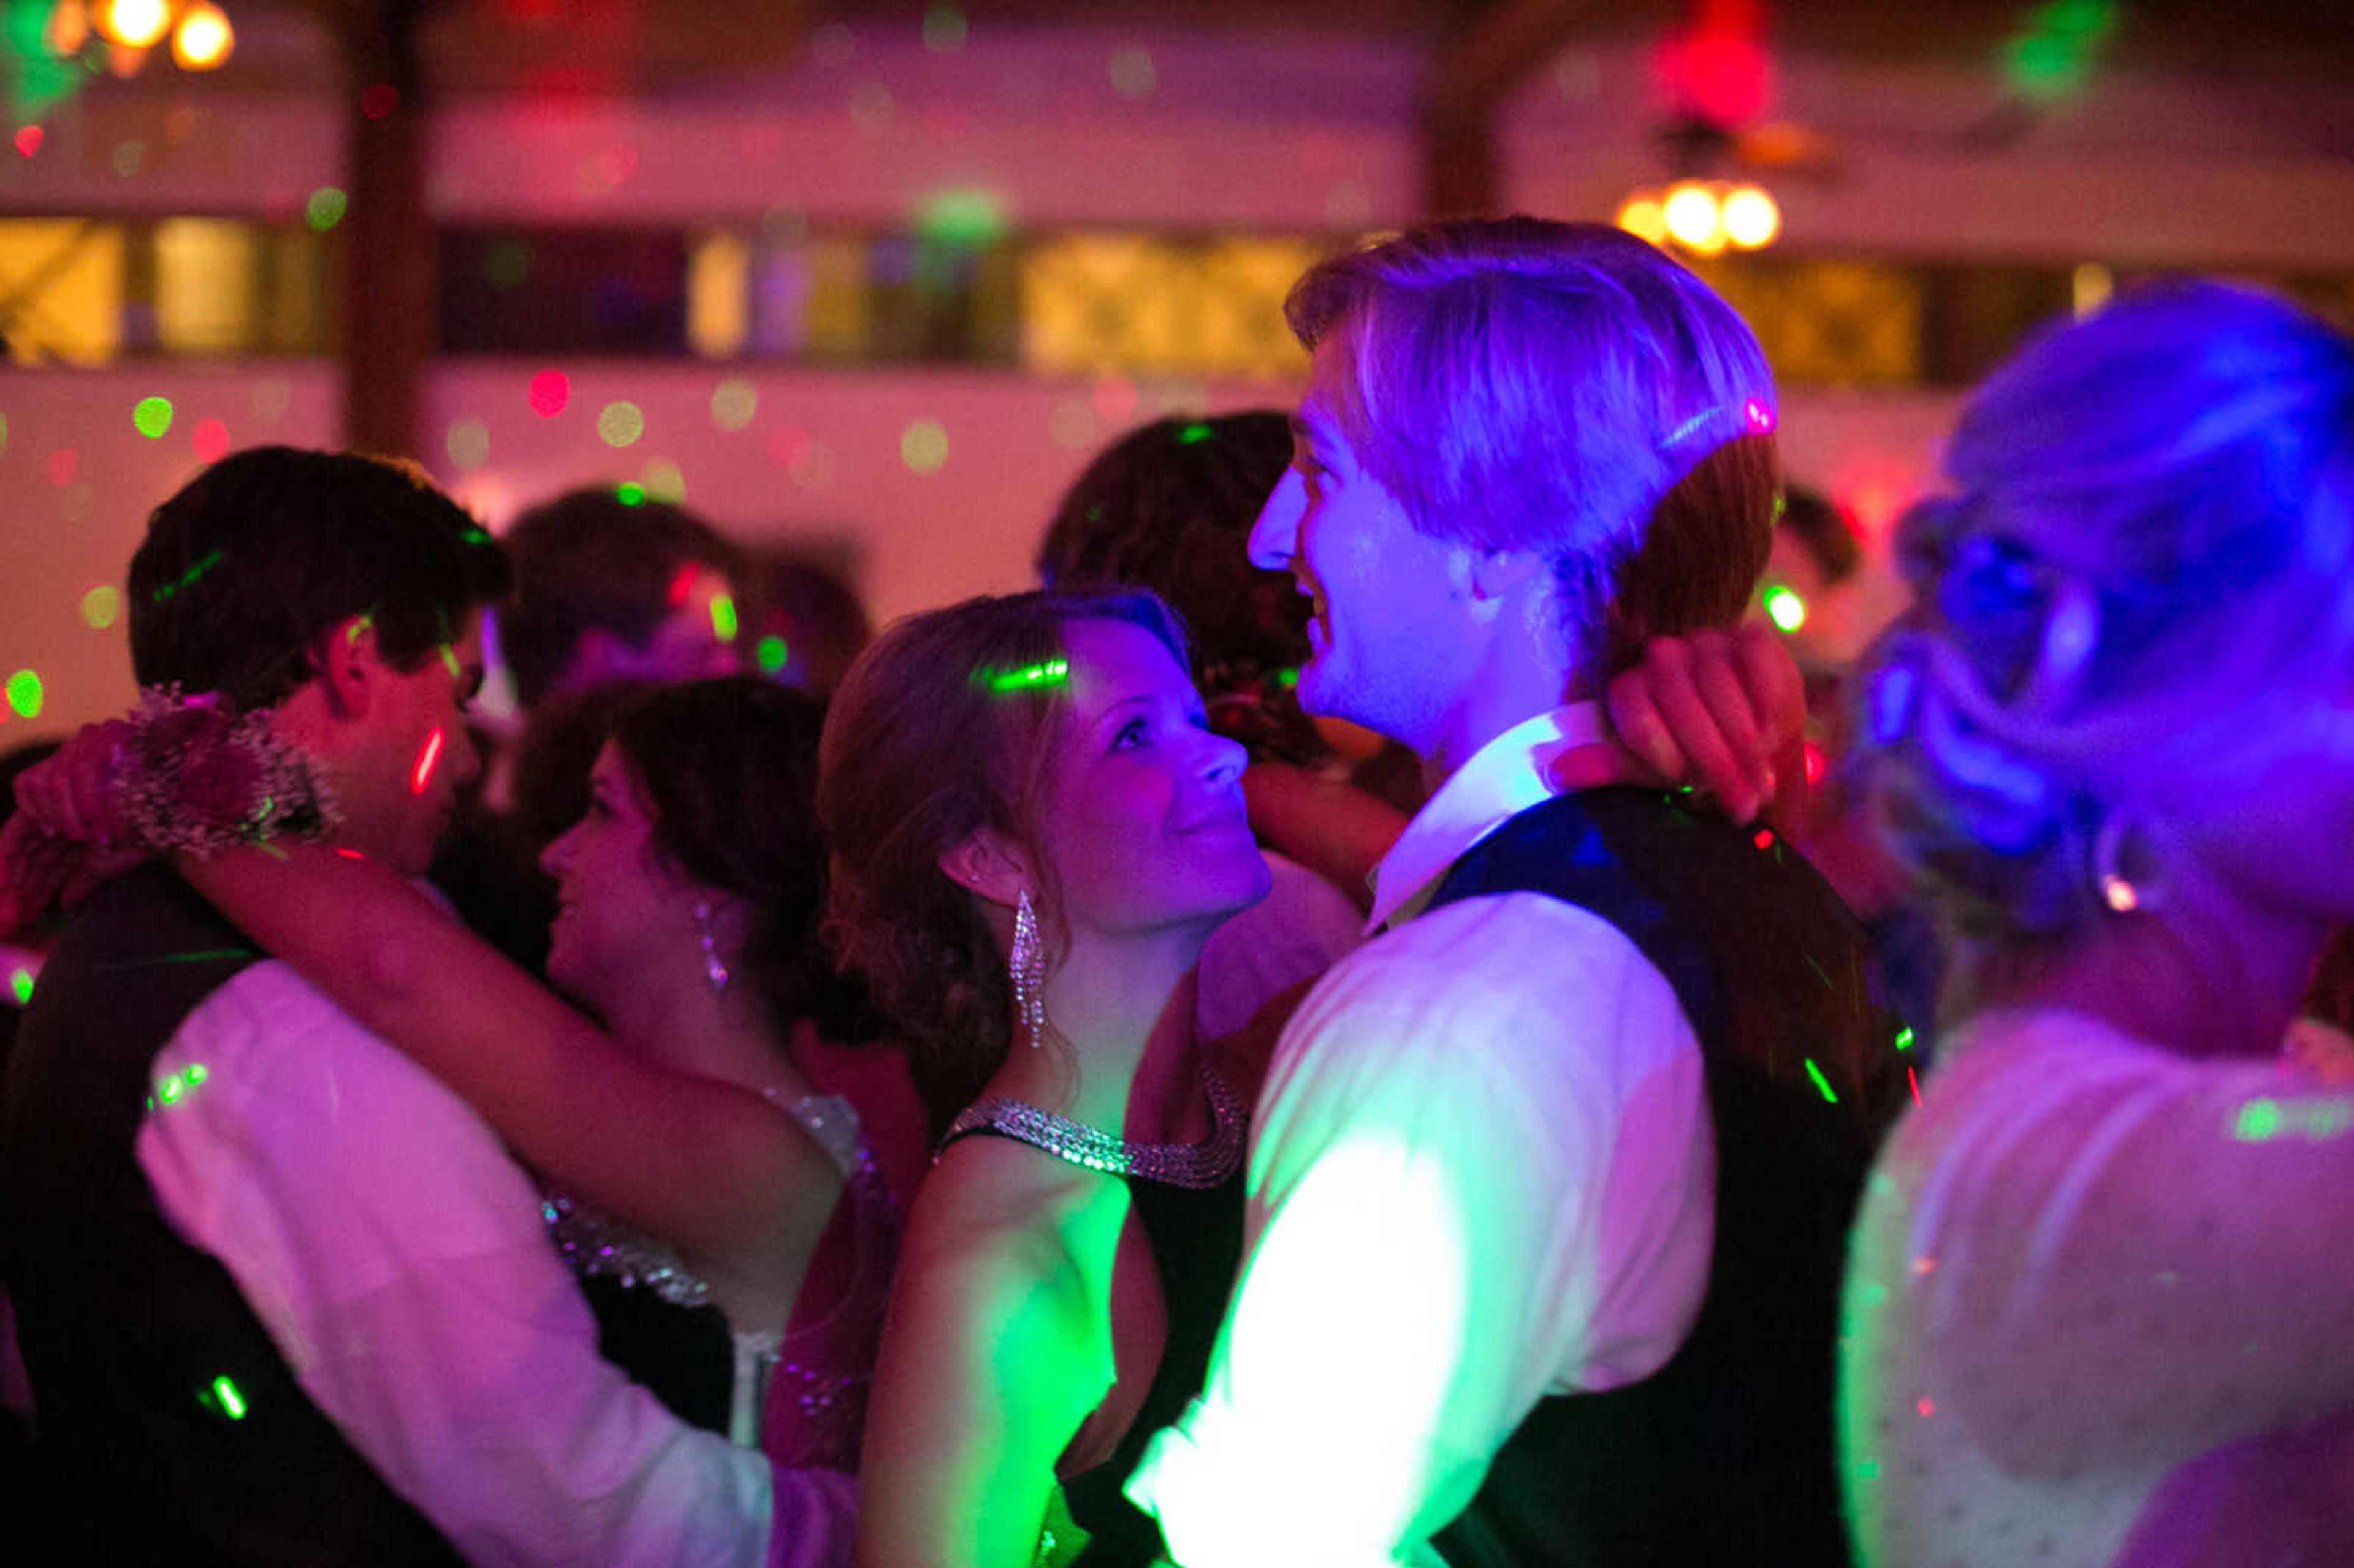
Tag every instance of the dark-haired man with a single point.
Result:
(282, 1295)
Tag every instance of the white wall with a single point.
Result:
(1267, 132)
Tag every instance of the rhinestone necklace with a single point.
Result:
(1204, 1164)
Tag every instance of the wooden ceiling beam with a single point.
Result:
(1495, 50)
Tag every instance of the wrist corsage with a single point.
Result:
(195, 777)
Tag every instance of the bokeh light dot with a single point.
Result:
(325, 209)
(99, 605)
(1115, 399)
(814, 468)
(25, 693)
(209, 440)
(733, 404)
(944, 29)
(832, 44)
(664, 481)
(77, 501)
(924, 446)
(619, 424)
(152, 417)
(1132, 75)
(550, 391)
(788, 447)
(467, 443)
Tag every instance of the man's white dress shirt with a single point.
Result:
(397, 1258)
(1482, 1173)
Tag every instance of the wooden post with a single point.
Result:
(389, 315)
(1496, 50)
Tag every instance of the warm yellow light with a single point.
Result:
(1694, 219)
(204, 38)
(1752, 218)
(1641, 217)
(134, 24)
(67, 30)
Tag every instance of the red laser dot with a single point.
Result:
(380, 100)
(1764, 838)
(683, 584)
(1914, 1078)
(28, 139)
(1817, 764)
(63, 465)
(210, 440)
(427, 760)
(1927, 1407)
(351, 854)
(550, 390)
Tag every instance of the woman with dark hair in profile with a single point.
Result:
(2098, 1300)
(727, 1218)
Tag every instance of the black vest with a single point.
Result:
(1723, 1458)
(171, 1429)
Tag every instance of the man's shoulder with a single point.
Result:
(281, 1056)
(1509, 982)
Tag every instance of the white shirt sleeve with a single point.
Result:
(397, 1256)
(1483, 1172)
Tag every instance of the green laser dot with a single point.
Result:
(1820, 1082)
(771, 654)
(2259, 1121)
(1904, 1040)
(21, 982)
(723, 618)
(232, 1402)
(1052, 673)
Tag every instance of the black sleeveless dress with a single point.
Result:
(1196, 1237)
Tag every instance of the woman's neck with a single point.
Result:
(2204, 977)
(688, 1025)
(1122, 1012)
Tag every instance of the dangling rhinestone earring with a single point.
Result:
(1027, 965)
(2121, 894)
(713, 970)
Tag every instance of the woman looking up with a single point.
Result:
(1035, 833)
(2097, 1299)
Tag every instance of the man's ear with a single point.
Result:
(347, 665)
(990, 866)
(1497, 573)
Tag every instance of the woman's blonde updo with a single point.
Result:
(2142, 574)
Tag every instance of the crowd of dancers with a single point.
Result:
(1311, 1038)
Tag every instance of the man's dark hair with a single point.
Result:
(1819, 526)
(1169, 506)
(590, 559)
(265, 551)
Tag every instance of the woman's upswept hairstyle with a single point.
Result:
(942, 728)
(2144, 573)
(1565, 388)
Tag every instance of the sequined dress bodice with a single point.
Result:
(799, 1396)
